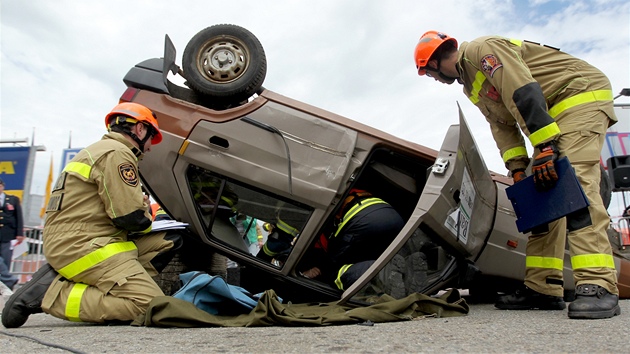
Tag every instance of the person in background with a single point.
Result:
(251, 231)
(563, 105)
(98, 242)
(11, 228)
(6, 277)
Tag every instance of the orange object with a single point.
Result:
(624, 237)
(154, 209)
(427, 45)
(137, 113)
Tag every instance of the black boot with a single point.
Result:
(528, 299)
(27, 300)
(593, 302)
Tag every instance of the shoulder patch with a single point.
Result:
(490, 64)
(128, 173)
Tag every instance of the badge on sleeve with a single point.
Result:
(128, 173)
(490, 64)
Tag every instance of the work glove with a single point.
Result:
(543, 169)
(518, 175)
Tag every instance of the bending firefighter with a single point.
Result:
(563, 105)
(97, 237)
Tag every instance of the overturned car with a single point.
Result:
(232, 146)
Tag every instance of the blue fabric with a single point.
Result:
(213, 295)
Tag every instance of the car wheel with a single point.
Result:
(226, 63)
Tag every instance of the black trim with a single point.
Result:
(555, 281)
(531, 104)
(539, 230)
(579, 219)
(135, 221)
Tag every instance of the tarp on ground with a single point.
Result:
(167, 311)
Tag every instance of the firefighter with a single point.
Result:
(280, 240)
(563, 105)
(363, 228)
(100, 251)
(158, 213)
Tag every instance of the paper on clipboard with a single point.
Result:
(162, 225)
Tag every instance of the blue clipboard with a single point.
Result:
(534, 208)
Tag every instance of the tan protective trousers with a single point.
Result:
(118, 288)
(583, 134)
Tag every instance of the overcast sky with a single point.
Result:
(63, 61)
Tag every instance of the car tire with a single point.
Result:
(226, 63)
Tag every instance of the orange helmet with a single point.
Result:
(137, 113)
(427, 45)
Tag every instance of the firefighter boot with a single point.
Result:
(528, 299)
(593, 302)
(27, 300)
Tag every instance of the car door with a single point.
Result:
(276, 164)
(450, 223)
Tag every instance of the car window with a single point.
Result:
(219, 200)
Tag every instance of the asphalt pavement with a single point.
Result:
(484, 330)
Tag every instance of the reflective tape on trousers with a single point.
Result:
(95, 257)
(73, 304)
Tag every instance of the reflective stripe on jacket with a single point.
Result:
(519, 84)
(360, 205)
(96, 201)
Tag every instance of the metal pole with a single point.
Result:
(28, 179)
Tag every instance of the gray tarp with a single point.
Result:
(166, 311)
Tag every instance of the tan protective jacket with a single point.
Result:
(523, 84)
(96, 200)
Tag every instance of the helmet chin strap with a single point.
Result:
(450, 79)
(140, 142)
(136, 152)
(447, 78)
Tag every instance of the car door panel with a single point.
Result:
(455, 214)
(319, 152)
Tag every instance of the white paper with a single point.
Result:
(162, 225)
(20, 249)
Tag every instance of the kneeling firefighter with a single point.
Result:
(98, 242)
